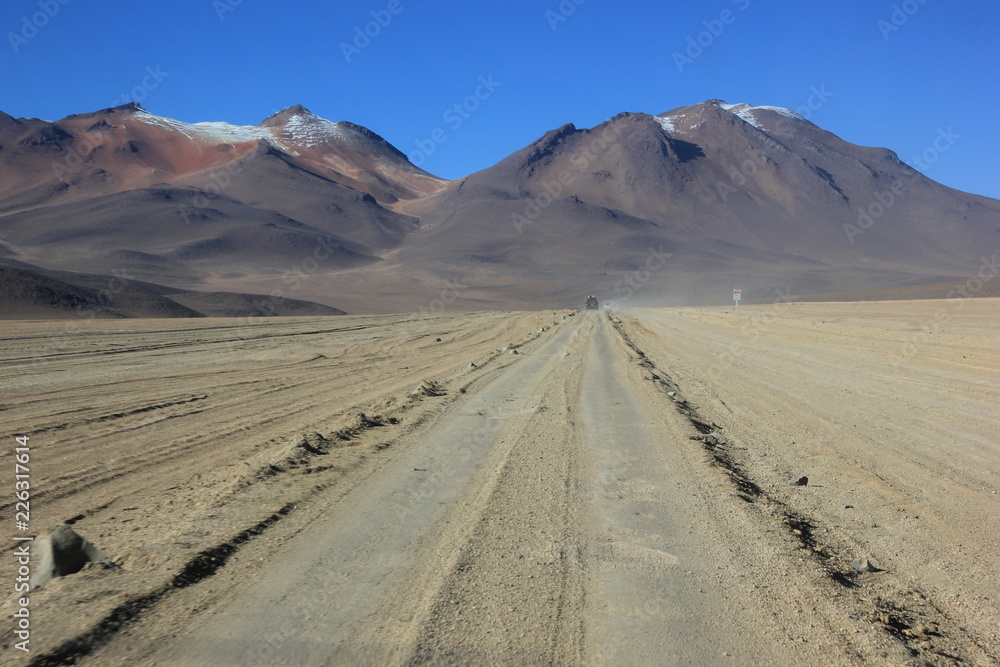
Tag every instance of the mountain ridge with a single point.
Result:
(734, 193)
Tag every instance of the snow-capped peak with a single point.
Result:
(747, 112)
(301, 127)
(691, 118)
(308, 129)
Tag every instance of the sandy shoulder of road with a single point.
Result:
(889, 409)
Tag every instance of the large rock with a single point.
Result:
(62, 552)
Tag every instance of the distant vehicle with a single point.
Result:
(592, 303)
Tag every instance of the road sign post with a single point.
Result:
(737, 295)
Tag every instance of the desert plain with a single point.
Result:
(555, 487)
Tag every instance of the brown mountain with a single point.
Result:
(205, 204)
(756, 197)
(662, 209)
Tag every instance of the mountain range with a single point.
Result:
(122, 213)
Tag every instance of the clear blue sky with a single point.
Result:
(241, 60)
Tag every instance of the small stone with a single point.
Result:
(514, 352)
(672, 394)
(863, 565)
(848, 507)
(437, 340)
(801, 481)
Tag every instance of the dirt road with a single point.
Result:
(616, 492)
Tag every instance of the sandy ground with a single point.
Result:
(354, 491)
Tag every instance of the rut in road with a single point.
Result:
(515, 592)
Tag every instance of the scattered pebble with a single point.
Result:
(863, 565)
(801, 481)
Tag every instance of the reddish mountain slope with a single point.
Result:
(662, 209)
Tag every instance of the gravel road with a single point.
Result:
(619, 491)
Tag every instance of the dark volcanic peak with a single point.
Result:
(45, 137)
(130, 106)
(282, 117)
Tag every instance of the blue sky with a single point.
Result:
(899, 74)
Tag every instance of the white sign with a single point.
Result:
(737, 295)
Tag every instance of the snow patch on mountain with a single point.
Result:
(744, 111)
(748, 112)
(302, 130)
(217, 132)
(307, 129)
(783, 111)
(666, 123)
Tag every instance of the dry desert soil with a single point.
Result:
(515, 488)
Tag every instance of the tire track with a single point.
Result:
(515, 595)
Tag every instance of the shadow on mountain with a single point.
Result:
(687, 151)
